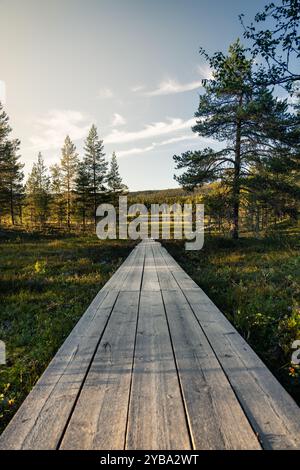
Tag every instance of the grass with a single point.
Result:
(256, 284)
(46, 283)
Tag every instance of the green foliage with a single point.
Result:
(40, 266)
(114, 180)
(96, 168)
(11, 176)
(277, 43)
(38, 192)
(94, 160)
(82, 191)
(57, 195)
(68, 165)
(46, 283)
(255, 283)
(258, 134)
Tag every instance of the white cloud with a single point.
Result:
(205, 71)
(2, 92)
(137, 88)
(293, 99)
(152, 130)
(135, 150)
(170, 87)
(179, 139)
(138, 150)
(105, 93)
(118, 120)
(52, 128)
(173, 86)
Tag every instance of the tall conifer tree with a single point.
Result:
(11, 174)
(69, 165)
(96, 167)
(114, 179)
(38, 192)
(247, 121)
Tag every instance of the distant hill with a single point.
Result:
(169, 193)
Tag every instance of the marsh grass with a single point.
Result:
(256, 284)
(46, 283)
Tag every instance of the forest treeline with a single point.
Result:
(66, 194)
(248, 180)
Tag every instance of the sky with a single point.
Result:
(132, 67)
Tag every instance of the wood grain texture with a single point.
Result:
(216, 418)
(100, 417)
(182, 278)
(150, 278)
(118, 278)
(271, 411)
(134, 276)
(165, 277)
(156, 417)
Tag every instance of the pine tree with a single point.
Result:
(82, 192)
(11, 175)
(69, 164)
(276, 179)
(57, 193)
(277, 44)
(217, 207)
(38, 192)
(244, 117)
(5, 130)
(114, 180)
(96, 167)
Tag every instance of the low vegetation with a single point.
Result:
(255, 283)
(46, 283)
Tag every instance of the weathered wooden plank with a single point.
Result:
(150, 278)
(120, 275)
(272, 412)
(99, 418)
(133, 279)
(156, 417)
(216, 418)
(89, 315)
(165, 277)
(183, 279)
(40, 421)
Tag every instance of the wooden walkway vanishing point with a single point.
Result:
(153, 364)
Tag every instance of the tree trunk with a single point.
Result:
(68, 212)
(21, 213)
(95, 196)
(83, 216)
(12, 215)
(68, 207)
(236, 180)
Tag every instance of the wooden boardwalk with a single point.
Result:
(153, 364)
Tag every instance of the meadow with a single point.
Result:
(46, 283)
(256, 283)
